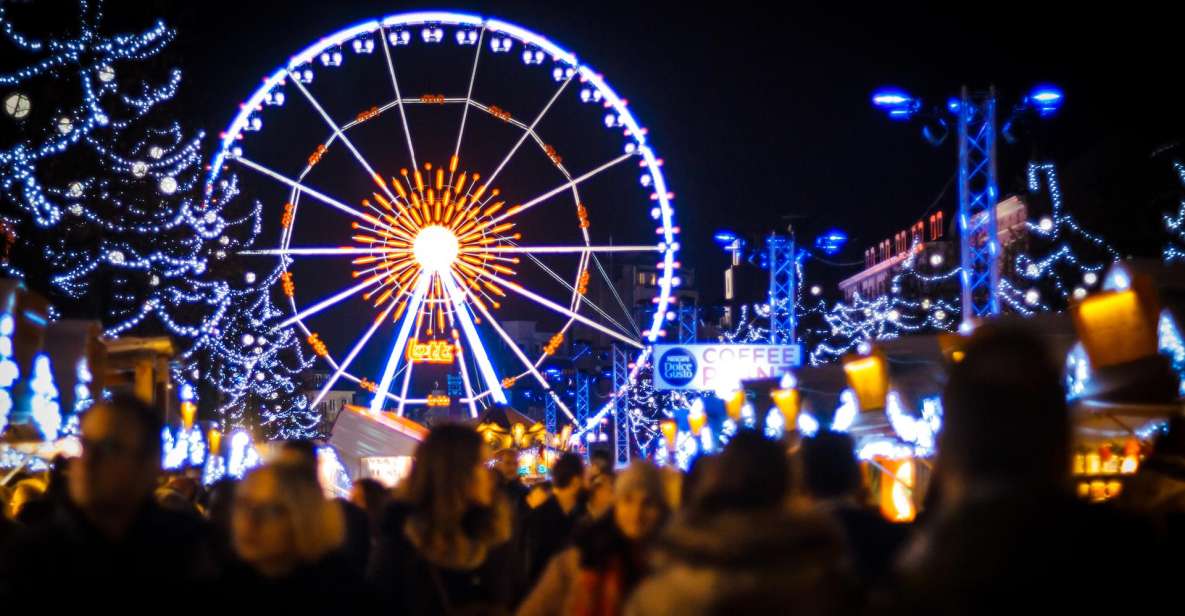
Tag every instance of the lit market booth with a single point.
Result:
(375, 445)
(888, 399)
(1124, 372)
(502, 427)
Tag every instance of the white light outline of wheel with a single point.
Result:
(660, 192)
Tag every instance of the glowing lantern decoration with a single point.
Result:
(695, 419)
(188, 413)
(669, 432)
(734, 404)
(1117, 327)
(897, 484)
(518, 430)
(215, 438)
(868, 377)
(788, 401)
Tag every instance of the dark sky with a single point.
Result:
(761, 113)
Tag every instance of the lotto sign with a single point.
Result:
(720, 367)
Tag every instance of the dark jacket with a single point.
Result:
(328, 585)
(872, 541)
(767, 562)
(356, 548)
(1040, 550)
(592, 577)
(547, 531)
(161, 551)
(409, 585)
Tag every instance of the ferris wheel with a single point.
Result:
(447, 216)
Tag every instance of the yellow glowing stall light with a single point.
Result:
(188, 414)
(952, 346)
(695, 420)
(1117, 327)
(788, 401)
(669, 432)
(518, 431)
(734, 404)
(897, 482)
(868, 376)
(215, 439)
(565, 434)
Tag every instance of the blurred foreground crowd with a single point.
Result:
(778, 527)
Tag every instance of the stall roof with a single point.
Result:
(358, 434)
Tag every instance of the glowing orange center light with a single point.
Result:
(444, 224)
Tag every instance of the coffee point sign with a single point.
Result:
(720, 367)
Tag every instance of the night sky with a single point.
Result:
(761, 115)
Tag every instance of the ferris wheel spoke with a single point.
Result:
(457, 297)
(327, 302)
(576, 249)
(316, 194)
(530, 130)
(329, 251)
(469, 399)
(345, 364)
(613, 289)
(411, 150)
(584, 300)
(337, 131)
(559, 189)
(518, 352)
(469, 95)
(546, 303)
(409, 319)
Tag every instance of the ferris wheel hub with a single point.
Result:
(435, 249)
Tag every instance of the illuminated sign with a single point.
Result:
(720, 367)
(439, 400)
(431, 352)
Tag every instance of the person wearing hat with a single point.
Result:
(607, 558)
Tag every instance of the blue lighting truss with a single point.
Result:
(978, 194)
(621, 421)
(688, 317)
(549, 413)
(781, 289)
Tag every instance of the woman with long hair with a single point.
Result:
(609, 557)
(287, 537)
(441, 547)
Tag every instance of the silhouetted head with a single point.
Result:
(1004, 413)
(120, 461)
(829, 465)
(752, 473)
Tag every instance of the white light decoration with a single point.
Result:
(106, 73)
(47, 413)
(17, 105)
(1032, 297)
(139, 168)
(117, 257)
(168, 185)
(936, 259)
(435, 249)
(154, 280)
(75, 190)
(248, 340)
(1090, 278)
(65, 125)
(156, 152)
(1079, 293)
(1046, 224)
(9, 371)
(249, 277)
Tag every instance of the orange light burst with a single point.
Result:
(439, 224)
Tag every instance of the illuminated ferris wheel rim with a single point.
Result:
(661, 194)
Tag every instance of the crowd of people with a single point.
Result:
(765, 526)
